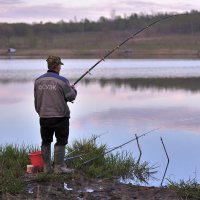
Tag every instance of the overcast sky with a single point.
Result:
(55, 10)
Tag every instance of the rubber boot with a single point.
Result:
(46, 156)
(59, 164)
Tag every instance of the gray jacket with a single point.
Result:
(51, 93)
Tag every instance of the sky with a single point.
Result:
(37, 11)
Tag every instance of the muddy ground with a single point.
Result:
(78, 187)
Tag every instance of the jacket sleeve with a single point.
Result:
(70, 92)
(35, 98)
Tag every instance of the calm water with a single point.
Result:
(120, 99)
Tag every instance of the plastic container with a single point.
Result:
(30, 169)
(36, 159)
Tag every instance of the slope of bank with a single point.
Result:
(77, 186)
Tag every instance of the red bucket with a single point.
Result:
(36, 159)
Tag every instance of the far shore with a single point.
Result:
(100, 53)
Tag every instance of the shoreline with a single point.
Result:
(99, 53)
(78, 186)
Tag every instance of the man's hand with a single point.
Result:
(72, 86)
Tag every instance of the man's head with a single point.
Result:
(54, 63)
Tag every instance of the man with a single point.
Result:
(51, 93)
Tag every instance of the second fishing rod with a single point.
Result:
(115, 148)
(120, 44)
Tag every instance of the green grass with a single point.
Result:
(13, 162)
(42, 177)
(118, 164)
(189, 189)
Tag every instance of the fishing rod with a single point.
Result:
(114, 148)
(120, 44)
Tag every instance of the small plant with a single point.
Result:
(189, 189)
(121, 164)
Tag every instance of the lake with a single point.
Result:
(119, 99)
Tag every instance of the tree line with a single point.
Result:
(185, 23)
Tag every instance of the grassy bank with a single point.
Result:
(16, 184)
(14, 159)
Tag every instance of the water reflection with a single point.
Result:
(113, 104)
(169, 109)
(124, 111)
(181, 119)
(185, 83)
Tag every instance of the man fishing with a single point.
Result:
(51, 94)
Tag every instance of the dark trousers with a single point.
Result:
(57, 125)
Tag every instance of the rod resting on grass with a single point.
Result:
(114, 148)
